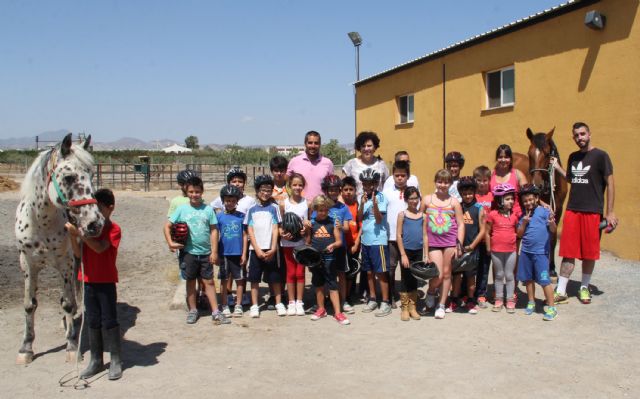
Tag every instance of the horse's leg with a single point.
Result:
(25, 354)
(68, 303)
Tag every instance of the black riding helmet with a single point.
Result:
(230, 191)
(330, 181)
(235, 171)
(466, 182)
(292, 224)
(262, 180)
(454, 156)
(185, 175)
(529, 189)
(369, 174)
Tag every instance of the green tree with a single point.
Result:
(335, 152)
(192, 142)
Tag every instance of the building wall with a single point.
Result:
(564, 72)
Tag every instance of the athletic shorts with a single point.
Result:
(534, 267)
(375, 258)
(325, 274)
(580, 235)
(340, 259)
(196, 266)
(259, 269)
(230, 268)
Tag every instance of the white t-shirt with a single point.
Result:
(411, 181)
(396, 204)
(244, 204)
(301, 209)
(355, 166)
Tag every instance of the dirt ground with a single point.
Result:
(589, 351)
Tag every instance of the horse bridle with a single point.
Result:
(549, 170)
(52, 178)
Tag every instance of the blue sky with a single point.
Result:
(246, 72)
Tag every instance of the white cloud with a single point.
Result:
(247, 119)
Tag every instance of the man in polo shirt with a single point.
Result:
(310, 164)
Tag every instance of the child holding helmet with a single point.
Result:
(445, 233)
(501, 243)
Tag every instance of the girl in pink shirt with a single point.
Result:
(501, 242)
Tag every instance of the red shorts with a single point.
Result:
(580, 236)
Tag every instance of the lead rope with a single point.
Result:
(79, 383)
(552, 186)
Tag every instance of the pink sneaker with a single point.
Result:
(319, 314)
(342, 319)
(511, 306)
(497, 305)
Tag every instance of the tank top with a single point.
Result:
(299, 209)
(513, 180)
(442, 227)
(322, 235)
(471, 217)
(412, 233)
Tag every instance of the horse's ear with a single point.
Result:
(529, 134)
(87, 142)
(65, 147)
(550, 134)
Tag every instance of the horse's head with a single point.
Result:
(541, 150)
(69, 185)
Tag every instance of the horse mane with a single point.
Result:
(37, 172)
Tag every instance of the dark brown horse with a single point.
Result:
(537, 166)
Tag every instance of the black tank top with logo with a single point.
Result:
(471, 217)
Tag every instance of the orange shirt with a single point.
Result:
(354, 226)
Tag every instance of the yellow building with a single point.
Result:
(547, 70)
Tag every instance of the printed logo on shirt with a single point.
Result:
(322, 233)
(467, 218)
(578, 173)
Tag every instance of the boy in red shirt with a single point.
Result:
(100, 276)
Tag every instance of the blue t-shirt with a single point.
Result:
(262, 218)
(230, 227)
(535, 239)
(339, 212)
(199, 219)
(372, 232)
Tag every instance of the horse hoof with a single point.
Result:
(71, 357)
(24, 358)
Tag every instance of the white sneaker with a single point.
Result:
(347, 308)
(237, 311)
(440, 313)
(299, 308)
(254, 311)
(226, 311)
(291, 309)
(281, 310)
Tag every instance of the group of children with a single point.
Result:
(246, 238)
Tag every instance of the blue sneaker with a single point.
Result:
(550, 314)
(531, 307)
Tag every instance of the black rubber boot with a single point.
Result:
(96, 363)
(112, 337)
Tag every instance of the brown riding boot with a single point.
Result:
(404, 306)
(412, 301)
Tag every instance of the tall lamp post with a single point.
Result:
(356, 39)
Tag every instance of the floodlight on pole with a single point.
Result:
(356, 39)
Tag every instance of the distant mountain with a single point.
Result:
(44, 139)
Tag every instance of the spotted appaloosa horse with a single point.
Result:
(57, 188)
(553, 186)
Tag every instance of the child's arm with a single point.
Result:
(460, 222)
(268, 255)
(245, 248)
(214, 237)
(551, 222)
(167, 236)
(425, 239)
(522, 227)
(478, 239)
(404, 261)
(338, 240)
(98, 246)
(254, 242)
(376, 212)
(487, 238)
(307, 234)
(363, 200)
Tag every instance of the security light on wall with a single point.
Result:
(355, 38)
(595, 20)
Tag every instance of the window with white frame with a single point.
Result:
(405, 108)
(500, 88)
